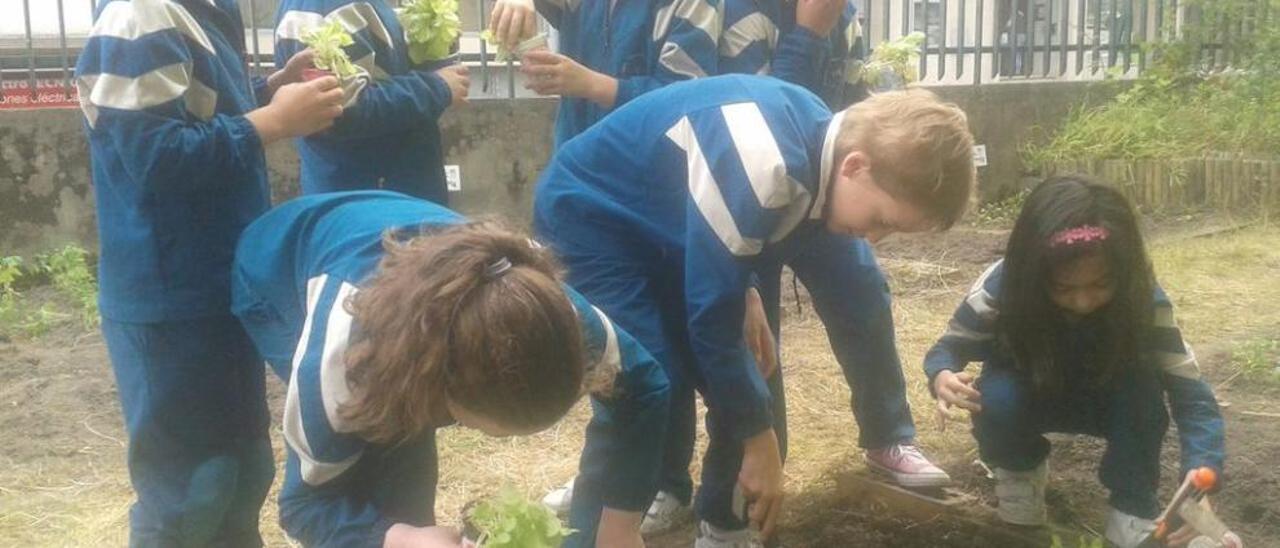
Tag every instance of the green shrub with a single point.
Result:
(68, 269)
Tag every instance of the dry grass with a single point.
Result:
(76, 493)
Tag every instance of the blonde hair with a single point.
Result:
(473, 314)
(919, 147)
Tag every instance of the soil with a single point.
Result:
(63, 480)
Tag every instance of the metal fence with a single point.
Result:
(983, 41)
(967, 41)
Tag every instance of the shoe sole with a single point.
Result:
(910, 480)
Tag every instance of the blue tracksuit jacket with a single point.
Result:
(971, 336)
(178, 171)
(713, 177)
(762, 37)
(390, 138)
(295, 268)
(645, 44)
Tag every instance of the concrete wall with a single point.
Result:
(500, 147)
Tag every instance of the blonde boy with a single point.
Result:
(663, 209)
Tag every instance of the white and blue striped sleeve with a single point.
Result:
(390, 104)
(970, 335)
(1191, 400)
(316, 505)
(684, 46)
(744, 174)
(748, 40)
(149, 90)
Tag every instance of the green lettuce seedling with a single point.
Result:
(327, 43)
(431, 27)
(894, 60)
(507, 520)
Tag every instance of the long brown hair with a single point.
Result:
(1029, 322)
(471, 314)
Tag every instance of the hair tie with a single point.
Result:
(1078, 235)
(497, 268)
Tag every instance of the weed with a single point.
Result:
(69, 270)
(1085, 541)
(1001, 212)
(1258, 359)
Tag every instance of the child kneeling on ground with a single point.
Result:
(390, 317)
(664, 209)
(1076, 336)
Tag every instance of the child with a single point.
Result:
(176, 136)
(389, 137)
(813, 44)
(390, 317)
(610, 51)
(664, 209)
(1076, 336)
(810, 44)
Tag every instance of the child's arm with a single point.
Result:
(316, 507)
(971, 332)
(1191, 400)
(684, 46)
(802, 52)
(142, 96)
(389, 104)
(619, 466)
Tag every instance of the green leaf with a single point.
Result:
(431, 27)
(507, 520)
(328, 42)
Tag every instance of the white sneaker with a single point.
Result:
(561, 499)
(1021, 495)
(1126, 531)
(664, 514)
(710, 536)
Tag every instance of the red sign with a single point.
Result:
(18, 95)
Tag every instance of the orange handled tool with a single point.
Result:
(1185, 508)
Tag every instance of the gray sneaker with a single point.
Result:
(665, 514)
(710, 536)
(1126, 531)
(1021, 495)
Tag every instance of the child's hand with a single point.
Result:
(459, 82)
(292, 71)
(761, 480)
(554, 74)
(620, 528)
(755, 328)
(298, 110)
(955, 389)
(402, 535)
(513, 21)
(819, 16)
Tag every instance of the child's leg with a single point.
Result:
(851, 296)
(1008, 430)
(1134, 428)
(194, 402)
(627, 282)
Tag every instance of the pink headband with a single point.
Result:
(1078, 235)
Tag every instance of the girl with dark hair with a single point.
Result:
(1076, 336)
(390, 317)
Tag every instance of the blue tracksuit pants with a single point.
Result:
(194, 401)
(1128, 412)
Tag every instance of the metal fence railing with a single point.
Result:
(967, 41)
(981, 41)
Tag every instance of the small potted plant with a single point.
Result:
(431, 27)
(508, 520)
(330, 59)
(894, 64)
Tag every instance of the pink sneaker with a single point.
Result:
(907, 465)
